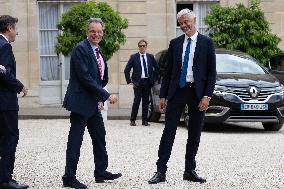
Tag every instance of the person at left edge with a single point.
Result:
(145, 71)
(84, 98)
(9, 87)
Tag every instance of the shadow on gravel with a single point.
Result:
(246, 127)
(235, 128)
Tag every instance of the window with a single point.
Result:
(277, 62)
(50, 63)
(201, 10)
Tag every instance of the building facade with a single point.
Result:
(46, 74)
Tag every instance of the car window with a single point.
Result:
(227, 63)
(277, 62)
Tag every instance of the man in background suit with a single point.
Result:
(189, 78)
(145, 71)
(84, 98)
(9, 87)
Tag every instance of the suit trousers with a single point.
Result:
(141, 92)
(96, 129)
(175, 107)
(9, 140)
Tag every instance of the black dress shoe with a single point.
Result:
(107, 176)
(145, 123)
(132, 123)
(158, 177)
(12, 184)
(193, 177)
(73, 183)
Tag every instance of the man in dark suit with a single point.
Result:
(9, 87)
(189, 78)
(84, 98)
(145, 70)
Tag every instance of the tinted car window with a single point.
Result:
(277, 63)
(227, 63)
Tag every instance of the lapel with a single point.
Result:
(197, 48)
(138, 62)
(148, 62)
(12, 54)
(180, 49)
(91, 52)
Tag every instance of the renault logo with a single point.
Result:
(253, 92)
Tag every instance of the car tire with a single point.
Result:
(152, 115)
(272, 126)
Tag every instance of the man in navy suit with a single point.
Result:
(145, 70)
(9, 87)
(189, 78)
(84, 98)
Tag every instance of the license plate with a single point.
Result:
(254, 106)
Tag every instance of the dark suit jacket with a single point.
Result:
(9, 85)
(85, 87)
(135, 63)
(204, 67)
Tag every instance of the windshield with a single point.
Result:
(227, 63)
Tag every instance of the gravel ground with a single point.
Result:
(231, 157)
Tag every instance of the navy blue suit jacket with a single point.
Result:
(85, 88)
(9, 85)
(204, 67)
(135, 64)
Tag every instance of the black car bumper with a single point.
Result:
(227, 108)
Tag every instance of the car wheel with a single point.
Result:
(152, 115)
(272, 126)
(185, 116)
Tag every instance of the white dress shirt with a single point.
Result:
(141, 62)
(189, 76)
(101, 58)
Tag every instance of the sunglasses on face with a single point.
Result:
(141, 46)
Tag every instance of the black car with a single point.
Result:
(244, 92)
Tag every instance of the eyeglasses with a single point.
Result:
(141, 46)
(95, 32)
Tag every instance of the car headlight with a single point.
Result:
(280, 89)
(219, 89)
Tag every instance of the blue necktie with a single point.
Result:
(145, 66)
(183, 74)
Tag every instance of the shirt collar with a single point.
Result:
(142, 54)
(93, 46)
(5, 37)
(193, 37)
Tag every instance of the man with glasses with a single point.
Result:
(144, 74)
(84, 98)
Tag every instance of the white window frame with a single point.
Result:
(196, 4)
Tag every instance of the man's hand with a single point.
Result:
(162, 105)
(113, 99)
(100, 106)
(2, 69)
(203, 104)
(24, 91)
